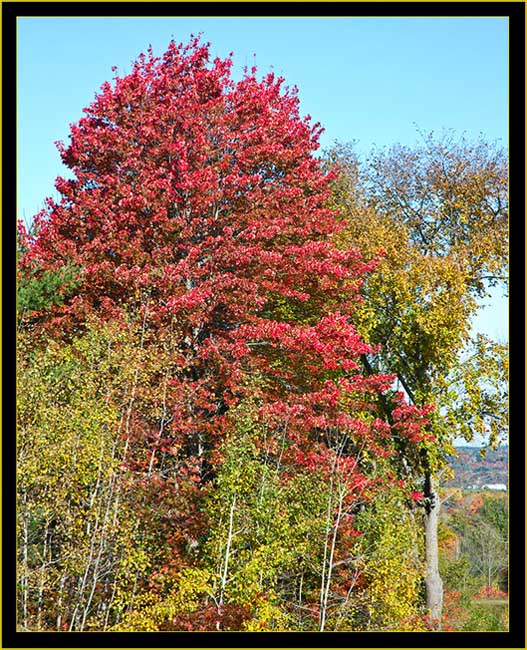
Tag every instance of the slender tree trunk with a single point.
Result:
(226, 564)
(43, 577)
(60, 600)
(322, 612)
(109, 606)
(434, 584)
(324, 609)
(25, 580)
(300, 600)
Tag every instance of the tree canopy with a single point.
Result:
(233, 360)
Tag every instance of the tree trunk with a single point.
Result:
(434, 584)
(226, 564)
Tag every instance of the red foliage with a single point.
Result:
(491, 593)
(196, 204)
(197, 201)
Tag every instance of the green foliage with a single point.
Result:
(153, 493)
(41, 291)
(78, 541)
(439, 215)
(495, 512)
(264, 529)
(475, 395)
(464, 613)
(392, 547)
(153, 612)
(436, 218)
(475, 564)
(457, 575)
(486, 618)
(262, 532)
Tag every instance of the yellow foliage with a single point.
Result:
(150, 612)
(393, 567)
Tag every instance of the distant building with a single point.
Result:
(495, 486)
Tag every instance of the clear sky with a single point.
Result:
(372, 80)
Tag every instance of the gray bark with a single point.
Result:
(434, 584)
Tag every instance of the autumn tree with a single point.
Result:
(75, 532)
(440, 212)
(196, 218)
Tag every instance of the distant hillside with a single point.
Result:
(473, 472)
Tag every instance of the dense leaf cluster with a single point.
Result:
(210, 433)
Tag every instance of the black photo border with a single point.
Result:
(515, 637)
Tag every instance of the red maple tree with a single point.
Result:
(196, 203)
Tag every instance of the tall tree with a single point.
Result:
(196, 215)
(440, 213)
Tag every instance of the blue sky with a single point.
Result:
(371, 80)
